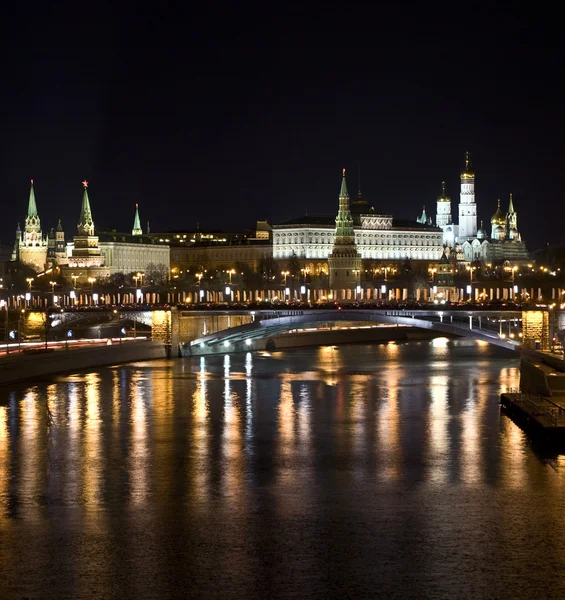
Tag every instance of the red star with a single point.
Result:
(85, 183)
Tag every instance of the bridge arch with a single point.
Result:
(268, 324)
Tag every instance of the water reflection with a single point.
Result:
(438, 419)
(4, 462)
(218, 470)
(92, 455)
(139, 454)
(388, 440)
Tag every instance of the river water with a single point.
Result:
(336, 472)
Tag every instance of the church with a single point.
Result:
(469, 243)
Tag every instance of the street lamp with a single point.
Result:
(91, 280)
(53, 284)
(230, 273)
(285, 274)
(470, 269)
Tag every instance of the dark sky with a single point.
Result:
(224, 115)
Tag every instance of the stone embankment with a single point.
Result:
(21, 367)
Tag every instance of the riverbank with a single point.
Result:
(14, 369)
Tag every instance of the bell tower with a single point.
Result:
(467, 205)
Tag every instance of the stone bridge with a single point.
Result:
(501, 328)
(195, 331)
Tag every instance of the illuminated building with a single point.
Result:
(84, 253)
(31, 246)
(56, 246)
(467, 204)
(377, 237)
(503, 244)
(344, 261)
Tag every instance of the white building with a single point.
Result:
(132, 254)
(377, 237)
(467, 204)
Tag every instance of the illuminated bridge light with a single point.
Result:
(248, 342)
(226, 343)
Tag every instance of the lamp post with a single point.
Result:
(28, 295)
(4, 304)
(91, 280)
(285, 274)
(53, 284)
(230, 273)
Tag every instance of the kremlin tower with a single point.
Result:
(31, 246)
(344, 262)
(136, 223)
(86, 250)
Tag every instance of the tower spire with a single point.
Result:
(510, 206)
(343, 193)
(359, 195)
(31, 207)
(136, 223)
(85, 223)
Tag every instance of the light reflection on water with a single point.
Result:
(315, 470)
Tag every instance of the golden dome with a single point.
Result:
(467, 172)
(443, 197)
(498, 218)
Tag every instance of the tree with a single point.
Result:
(157, 274)
(268, 268)
(293, 266)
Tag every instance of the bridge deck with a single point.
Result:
(273, 323)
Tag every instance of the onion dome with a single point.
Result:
(498, 218)
(443, 197)
(467, 172)
(481, 233)
(360, 206)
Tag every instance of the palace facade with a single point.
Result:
(377, 237)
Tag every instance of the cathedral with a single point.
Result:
(470, 243)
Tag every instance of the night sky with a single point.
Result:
(223, 116)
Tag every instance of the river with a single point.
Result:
(359, 471)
